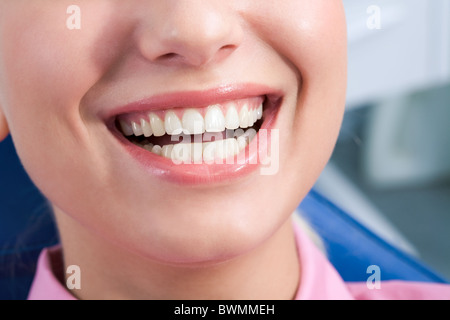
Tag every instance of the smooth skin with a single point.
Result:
(137, 236)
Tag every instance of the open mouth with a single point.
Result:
(196, 135)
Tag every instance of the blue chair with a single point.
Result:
(27, 226)
(352, 248)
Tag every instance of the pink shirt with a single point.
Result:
(319, 280)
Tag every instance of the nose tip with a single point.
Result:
(191, 33)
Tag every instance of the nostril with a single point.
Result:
(228, 47)
(168, 57)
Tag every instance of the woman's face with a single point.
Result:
(73, 81)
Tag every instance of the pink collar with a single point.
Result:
(46, 285)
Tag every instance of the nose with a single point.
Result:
(192, 32)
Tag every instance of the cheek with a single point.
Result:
(314, 41)
(45, 70)
(311, 36)
(53, 64)
(34, 62)
(43, 74)
(316, 44)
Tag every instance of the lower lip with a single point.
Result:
(202, 173)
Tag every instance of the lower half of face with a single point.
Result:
(183, 140)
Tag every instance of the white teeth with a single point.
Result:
(166, 151)
(255, 115)
(197, 152)
(172, 123)
(193, 122)
(208, 124)
(251, 117)
(137, 130)
(207, 152)
(220, 149)
(244, 117)
(244, 138)
(157, 125)
(232, 119)
(148, 147)
(146, 128)
(259, 112)
(242, 143)
(214, 119)
(126, 128)
(157, 150)
(181, 152)
(228, 148)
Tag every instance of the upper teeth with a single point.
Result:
(214, 118)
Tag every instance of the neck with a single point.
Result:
(270, 271)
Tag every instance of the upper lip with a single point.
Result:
(183, 99)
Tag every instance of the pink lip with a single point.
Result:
(197, 174)
(194, 99)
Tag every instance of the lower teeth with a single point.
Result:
(189, 150)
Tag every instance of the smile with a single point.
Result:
(198, 137)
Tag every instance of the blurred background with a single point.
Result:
(391, 166)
